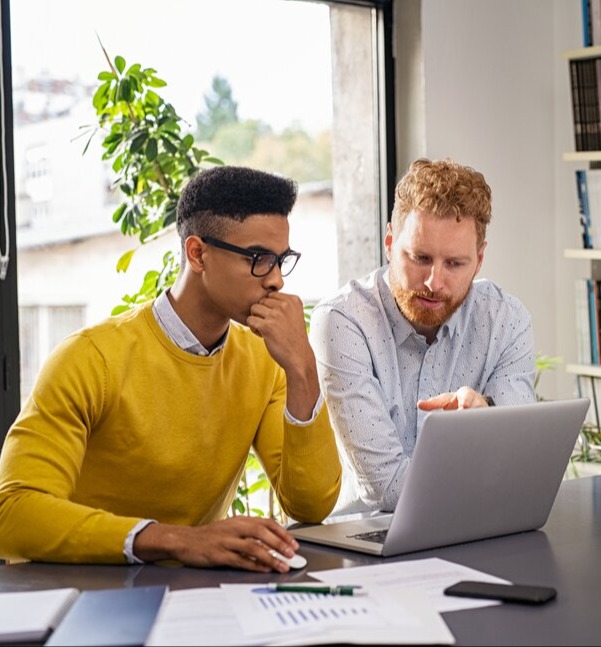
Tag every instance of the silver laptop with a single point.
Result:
(475, 474)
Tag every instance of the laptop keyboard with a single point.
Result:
(377, 536)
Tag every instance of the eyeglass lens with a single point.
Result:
(264, 263)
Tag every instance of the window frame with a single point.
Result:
(9, 322)
(10, 396)
(386, 92)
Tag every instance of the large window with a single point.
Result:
(296, 87)
(40, 329)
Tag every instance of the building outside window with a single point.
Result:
(41, 328)
(287, 86)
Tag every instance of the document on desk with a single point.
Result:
(198, 617)
(386, 615)
(249, 615)
(430, 576)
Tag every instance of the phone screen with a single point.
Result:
(521, 593)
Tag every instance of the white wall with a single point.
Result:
(496, 97)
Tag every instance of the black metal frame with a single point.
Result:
(9, 313)
(389, 107)
(256, 255)
(390, 170)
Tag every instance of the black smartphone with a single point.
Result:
(520, 593)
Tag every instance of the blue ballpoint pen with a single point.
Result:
(317, 588)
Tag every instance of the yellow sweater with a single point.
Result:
(123, 425)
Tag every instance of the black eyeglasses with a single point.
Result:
(262, 262)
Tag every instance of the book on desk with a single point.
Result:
(67, 616)
(31, 616)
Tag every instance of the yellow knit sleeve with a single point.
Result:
(41, 460)
(301, 462)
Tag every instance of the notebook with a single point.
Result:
(30, 616)
(110, 617)
(475, 474)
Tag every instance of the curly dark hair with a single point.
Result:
(216, 198)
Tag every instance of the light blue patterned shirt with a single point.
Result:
(374, 367)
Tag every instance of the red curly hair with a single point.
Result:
(445, 189)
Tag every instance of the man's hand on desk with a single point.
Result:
(238, 542)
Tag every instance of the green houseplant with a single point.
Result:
(152, 156)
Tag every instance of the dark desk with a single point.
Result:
(566, 554)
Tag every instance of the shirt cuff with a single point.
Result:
(128, 548)
(304, 423)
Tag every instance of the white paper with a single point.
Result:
(200, 616)
(229, 616)
(386, 615)
(430, 576)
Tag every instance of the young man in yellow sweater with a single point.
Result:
(133, 441)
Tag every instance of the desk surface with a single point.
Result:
(565, 554)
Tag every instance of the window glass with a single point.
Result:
(40, 329)
(286, 86)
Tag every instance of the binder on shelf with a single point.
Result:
(583, 207)
(586, 23)
(596, 67)
(591, 102)
(583, 330)
(585, 89)
(576, 119)
(593, 301)
(585, 108)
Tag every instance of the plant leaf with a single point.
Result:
(125, 260)
(151, 149)
(119, 212)
(120, 64)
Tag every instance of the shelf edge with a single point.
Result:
(583, 254)
(582, 156)
(584, 369)
(582, 52)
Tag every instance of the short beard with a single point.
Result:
(407, 301)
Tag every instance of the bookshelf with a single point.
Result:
(584, 68)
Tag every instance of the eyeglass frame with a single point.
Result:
(278, 259)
